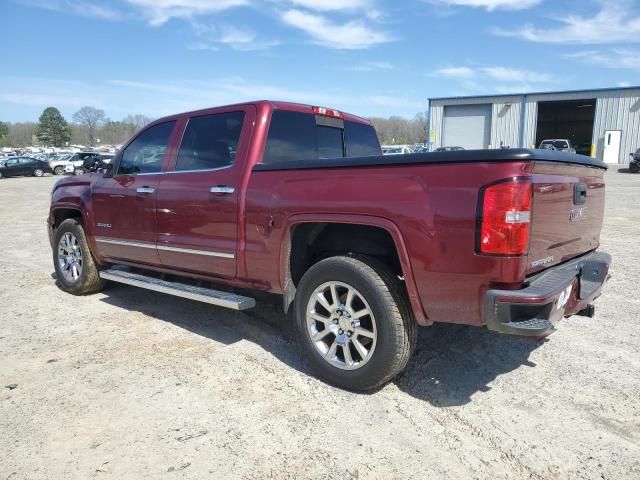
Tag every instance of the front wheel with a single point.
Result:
(78, 171)
(76, 270)
(354, 322)
(59, 170)
(38, 172)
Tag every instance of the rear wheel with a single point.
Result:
(38, 172)
(354, 322)
(76, 270)
(78, 171)
(633, 168)
(59, 170)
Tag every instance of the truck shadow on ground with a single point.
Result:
(450, 365)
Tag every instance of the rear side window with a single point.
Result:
(361, 140)
(146, 152)
(292, 137)
(210, 141)
(295, 136)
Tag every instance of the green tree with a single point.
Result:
(4, 133)
(53, 129)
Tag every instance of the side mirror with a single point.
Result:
(107, 170)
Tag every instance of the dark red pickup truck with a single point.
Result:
(298, 200)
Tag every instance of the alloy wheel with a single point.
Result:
(70, 261)
(341, 325)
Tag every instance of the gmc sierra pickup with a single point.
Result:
(299, 201)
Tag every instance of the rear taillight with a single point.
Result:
(505, 218)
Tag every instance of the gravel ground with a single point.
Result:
(133, 384)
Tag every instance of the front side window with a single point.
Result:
(210, 141)
(146, 152)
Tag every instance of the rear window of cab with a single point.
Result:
(296, 136)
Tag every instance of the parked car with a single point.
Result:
(561, 144)
(396, 150)
(420, 149)
(364, 248)
(77, 162)
(449, 149)
(59, 163)
(634, 162)
(24, 166)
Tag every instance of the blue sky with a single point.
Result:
(369, 57)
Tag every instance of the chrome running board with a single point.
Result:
(200, 294)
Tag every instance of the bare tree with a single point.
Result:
(90, 118)
(401, 131)
(137, 120)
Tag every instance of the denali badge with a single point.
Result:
(578, 214)
(542, 261)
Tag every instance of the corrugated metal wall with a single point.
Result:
(615, 110)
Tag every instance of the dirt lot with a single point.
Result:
(131, 384)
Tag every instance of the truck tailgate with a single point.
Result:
(567, 213)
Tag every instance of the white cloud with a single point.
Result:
(615, 22)
(333, 5)
(486, 79)
(371, 66)
(455, 72)
(498, 73)
(489, 5)
(238, 38)
(159, 12)
(615, 58)
(506, 74)
(351, 35)
(77, 7)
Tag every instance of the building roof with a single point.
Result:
(589, 90)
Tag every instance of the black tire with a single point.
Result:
(38, 172)
(395, 324)
(634, 168)
(89, 280)
(59, 170)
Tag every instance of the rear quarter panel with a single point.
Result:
(433, 206)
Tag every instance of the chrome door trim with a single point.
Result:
(196, 252)
(201, 170)
(125, 243)
(128, 243)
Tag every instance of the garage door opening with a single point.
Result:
(572, 119)
(467, 126)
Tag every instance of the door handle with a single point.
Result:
(222, 190)
(145, 190)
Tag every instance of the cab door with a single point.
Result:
(198, 197)
(12, 168)
(124, 202)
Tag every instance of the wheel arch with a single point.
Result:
(316, 224)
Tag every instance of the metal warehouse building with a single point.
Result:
(603, 123)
